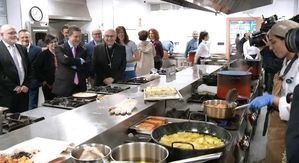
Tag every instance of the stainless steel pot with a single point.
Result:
(140, 152)
(91, 149)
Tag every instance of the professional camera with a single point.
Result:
(292, 37)
(292, 40)
(257, 37)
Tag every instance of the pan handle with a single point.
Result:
(180, 142)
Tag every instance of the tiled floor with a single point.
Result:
(258, 144)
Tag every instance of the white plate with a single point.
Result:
(84, 95)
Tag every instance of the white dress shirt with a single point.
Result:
(13, 51)
(203, 50)
(250, 50)
(290, 81)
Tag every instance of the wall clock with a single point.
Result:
(36, 13)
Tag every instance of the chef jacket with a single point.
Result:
(203, 50)
(291, 79)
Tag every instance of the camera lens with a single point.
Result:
(292, 40)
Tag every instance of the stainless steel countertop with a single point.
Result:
(90, 120)
(43, 111)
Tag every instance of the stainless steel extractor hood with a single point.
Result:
(69, 10)
(224, 6)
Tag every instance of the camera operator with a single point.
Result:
(284, 83)
(292, 134)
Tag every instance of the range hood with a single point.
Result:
(224, 6)
(73, 10)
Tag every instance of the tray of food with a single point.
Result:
(147, 125)
(37, 150)
(161, 93)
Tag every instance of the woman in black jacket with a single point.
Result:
(45, 66)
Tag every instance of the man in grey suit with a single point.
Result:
(14, 71)
(109, 60)
(33, 52)
(72, 58)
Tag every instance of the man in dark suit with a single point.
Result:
(109, 60)
(14, 71)
(33, 52)
(64, 34)
(97, 39)
(72, 58)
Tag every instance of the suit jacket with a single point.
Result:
(90, 47)
(9, 78)
(44, 67)
(34, 52)
(292, 134)
(101, 63)
(67, 67)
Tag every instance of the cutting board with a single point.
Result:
(45, 149)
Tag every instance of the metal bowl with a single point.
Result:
(140, 152)
(78, 151)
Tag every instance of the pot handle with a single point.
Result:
(180, 142)
(200, 159)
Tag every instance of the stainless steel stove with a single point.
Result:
(134, 81)
(108, 90)
(13, 121)
(68, 103)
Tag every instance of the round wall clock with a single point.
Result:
(36, 13)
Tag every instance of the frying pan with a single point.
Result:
(195, 127)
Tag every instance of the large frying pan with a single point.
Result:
(198, 127)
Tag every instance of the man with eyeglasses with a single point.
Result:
(97, 39)
(109, 60)
(14, 71)
(33, 52)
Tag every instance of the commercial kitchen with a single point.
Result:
(57, 128)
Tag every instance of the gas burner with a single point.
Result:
(67, 102)
(134, 81)
(13, 121)
(200, 98)
(108, 90)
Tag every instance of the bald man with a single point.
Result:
(192, 44)
(109, 60)
(14, 71)
(33, 52)
(97, 39)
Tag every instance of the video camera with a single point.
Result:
(292, 37)
(257, 37)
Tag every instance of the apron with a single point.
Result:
(275, 137)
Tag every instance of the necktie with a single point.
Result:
(76, 79)
(17, 64)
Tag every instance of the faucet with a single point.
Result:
(2, 109)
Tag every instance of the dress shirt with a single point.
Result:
(13, 51)
(191, 46)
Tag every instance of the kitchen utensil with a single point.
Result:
(140, 152)
(226, 80)
(200, 159)
(197, 127)
(90, 153)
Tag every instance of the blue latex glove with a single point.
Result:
(261, 101)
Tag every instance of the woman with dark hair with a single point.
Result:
(203, 50)
(147, 53)
(154, 37)
(132, 53)
(45, 65)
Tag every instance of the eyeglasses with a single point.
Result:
(97, 34)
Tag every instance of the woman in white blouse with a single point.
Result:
(203, 50)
